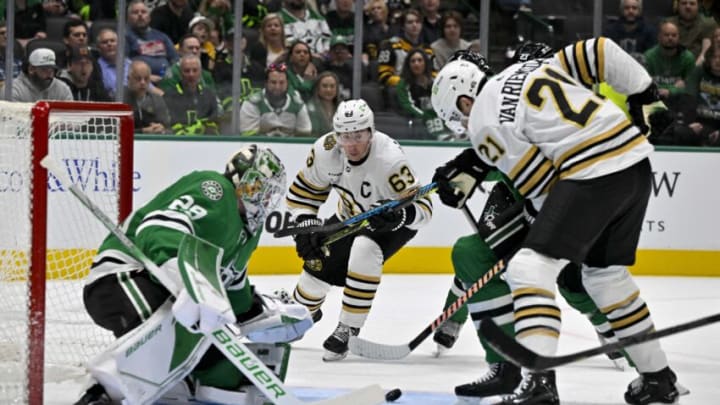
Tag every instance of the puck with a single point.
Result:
(393, 395)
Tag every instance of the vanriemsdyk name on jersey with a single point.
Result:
(511, 88)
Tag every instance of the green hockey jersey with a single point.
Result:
(203, 204)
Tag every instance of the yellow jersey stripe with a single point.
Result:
(630, 320)
(523, 162)
(320, 189)
(540, 174)
(582, 63)
(625, 302)
(589, 143)
(600, 59)
(608, 154)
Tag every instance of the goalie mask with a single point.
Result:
(464, 76)
(259, 179)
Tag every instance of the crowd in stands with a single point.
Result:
(297, 56)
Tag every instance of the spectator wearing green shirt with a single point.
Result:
(669, 63)
(189, 45)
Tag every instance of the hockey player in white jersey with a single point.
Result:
(365, 167)
(585, 167)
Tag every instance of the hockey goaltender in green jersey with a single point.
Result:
(162, 353)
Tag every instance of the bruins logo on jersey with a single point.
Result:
(212, 189)
(329, 142)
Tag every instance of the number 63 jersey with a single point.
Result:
(385, 173)
(539, 121)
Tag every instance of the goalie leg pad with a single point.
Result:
(222, 383)
(152, 358)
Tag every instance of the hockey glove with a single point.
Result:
(636, 103)
(457, 179)
(202, 315)
(391, 220)
(309, 246)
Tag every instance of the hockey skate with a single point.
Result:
(501, 378)
(95, 395)
(446, 335)
(534, 389)
(336, 346)
(659, 387)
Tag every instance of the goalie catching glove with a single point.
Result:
(458, 178)
(309, 246)
(391, 220)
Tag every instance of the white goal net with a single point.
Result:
(48, 239)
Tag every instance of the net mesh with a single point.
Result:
(87, 145)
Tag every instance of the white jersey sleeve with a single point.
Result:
(597, 60)
(311, 186)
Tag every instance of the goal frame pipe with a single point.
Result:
(40, 119)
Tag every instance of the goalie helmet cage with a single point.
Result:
(47, 239)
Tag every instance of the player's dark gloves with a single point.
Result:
(636, 103)
(457, 178)
(309, 245)
(391, 220)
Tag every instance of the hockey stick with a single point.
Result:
(379, 351)
(226, 338)
(353, 229)
(521, 356)
(394, 204)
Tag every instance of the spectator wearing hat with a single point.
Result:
(172, 18)
(38, 82)
(201, 27)
(146, 43)
(339, 61)
(78, 76)
(150, 112)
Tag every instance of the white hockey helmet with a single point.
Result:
(352, 116)
(259, 178)
(457, 78)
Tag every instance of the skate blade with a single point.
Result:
(492, 400)
(439, 350)
(332, 356)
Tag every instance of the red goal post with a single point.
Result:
(47, 240)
